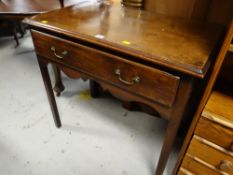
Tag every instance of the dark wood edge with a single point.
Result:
(198, 72)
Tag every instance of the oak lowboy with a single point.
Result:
(135, 55)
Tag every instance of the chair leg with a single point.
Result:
(21, 29)
(61, 3)
(14, 30)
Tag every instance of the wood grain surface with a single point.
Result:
(220, 105)
(183, 45)
(217, 133)
(209, 154)
(154, 84)
(196, 167)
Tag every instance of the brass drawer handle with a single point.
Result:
(135, 79)
(225, 165)
(60, 57)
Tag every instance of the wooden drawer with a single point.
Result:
(183, 171)
(136, 78)
(193, 166)
(218, 134)
(211, 154)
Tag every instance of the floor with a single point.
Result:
(98, 136)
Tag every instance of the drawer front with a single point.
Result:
(183, 171)
(142, 80)
(217, 133)
(195, 167)
(211, 154)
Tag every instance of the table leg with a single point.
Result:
(173, 125)
(167, 146)
(58, 87)
(49, 90)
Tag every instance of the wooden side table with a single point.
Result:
(160, 63)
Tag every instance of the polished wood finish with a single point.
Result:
(215, 11)
(207, 92)
(154, 84)
(176, 44)
(168, 57)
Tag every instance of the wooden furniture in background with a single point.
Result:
(217, 117)
(159, 63)
(212, 144)
(14, 11)
(202, 10)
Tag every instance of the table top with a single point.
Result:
(177, 44)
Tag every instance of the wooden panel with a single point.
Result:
(215, 133)
(196, 167)
(221, 12)
(186, 9)
(226, 70)
(154, 84)
(208, 154)
(184, 46)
